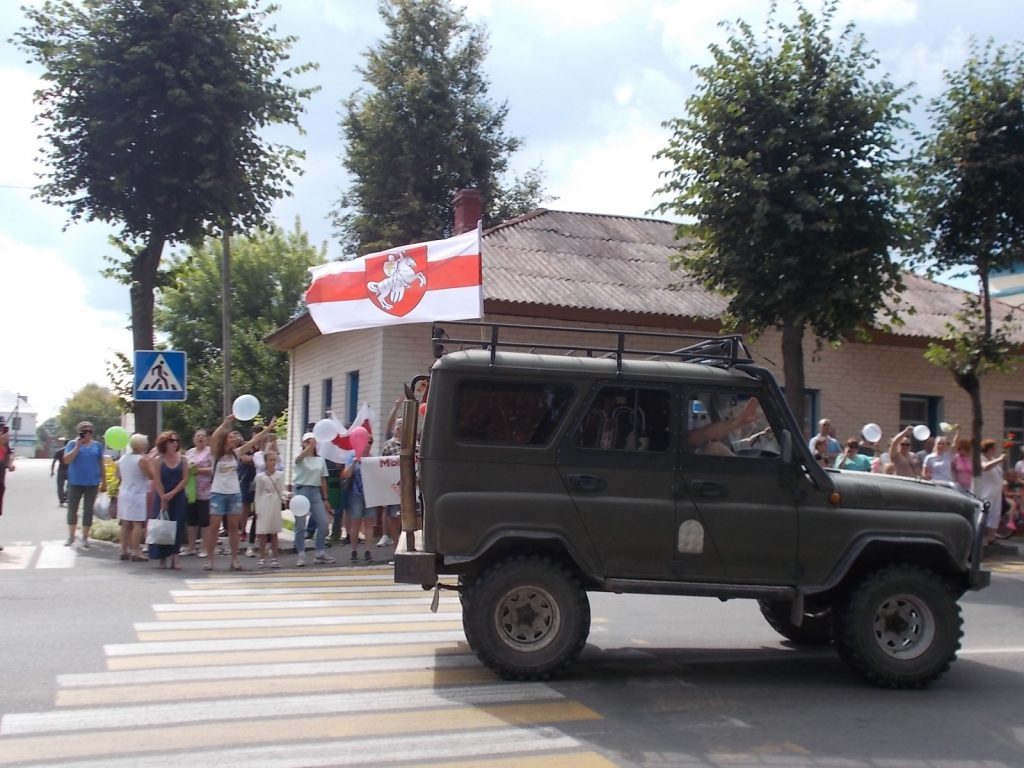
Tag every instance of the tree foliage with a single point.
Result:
(422, 129)
(787, 164)
(91, 403)
(269, 275)
(969, 199)
(152, 115)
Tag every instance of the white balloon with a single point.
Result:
(872, 432)
(325, 430)
(299, 505)
(245, 408)
(922, 432)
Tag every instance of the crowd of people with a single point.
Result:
(226, 496)
(945, 459)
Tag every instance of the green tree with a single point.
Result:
(422, 129)
(47, 434)
(152, 112)
(91, 403)
(969, 200)
(787, 164)
(269, 276)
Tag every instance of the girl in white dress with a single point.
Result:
(134, 473)
(269, 491)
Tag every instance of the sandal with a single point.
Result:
(236, 566)
(208, 567)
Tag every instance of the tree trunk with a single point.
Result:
(225, 308)
(144, 271)
(972, 382)
(793, 369)
(974, 390)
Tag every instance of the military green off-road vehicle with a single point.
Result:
(557, 470)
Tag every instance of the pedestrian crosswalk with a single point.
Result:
(22, 555)
(287, 670)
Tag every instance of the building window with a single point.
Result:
(327, 393)
(1013, 430)
(920, 409)
(305, 408)
(353, 395)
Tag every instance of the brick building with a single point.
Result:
(562, 268)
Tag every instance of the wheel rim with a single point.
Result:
(904, 626)
(527, 618)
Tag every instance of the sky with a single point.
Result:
(588, 84)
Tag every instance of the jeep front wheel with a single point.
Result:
(815, 629)
(526, 618)
(900, 627)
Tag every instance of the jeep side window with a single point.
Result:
(728, 424)
(626, 419)
(510, 412)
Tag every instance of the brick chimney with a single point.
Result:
(467, 210)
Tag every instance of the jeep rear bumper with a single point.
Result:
(416, 568)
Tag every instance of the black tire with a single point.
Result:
(816, 628)
(900, 627)
(526, 618)
(464, 584)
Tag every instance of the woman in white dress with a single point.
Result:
(133, 471)
(990, 487)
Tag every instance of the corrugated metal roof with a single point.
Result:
(621, 264)
(596, 262)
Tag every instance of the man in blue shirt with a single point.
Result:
(86, 478)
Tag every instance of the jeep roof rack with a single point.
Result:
(721, 351)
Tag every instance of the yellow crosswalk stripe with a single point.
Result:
(142, 740)
(283, 611)
(259, 598)
(343, 629)
(573, 759)
(162, 661)
(270, 686)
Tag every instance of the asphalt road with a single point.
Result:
(88, 677)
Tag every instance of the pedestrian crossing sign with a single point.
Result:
(160, 374)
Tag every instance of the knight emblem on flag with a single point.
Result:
(396, 281)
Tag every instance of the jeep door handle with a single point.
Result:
(587, 483)
(708, 489)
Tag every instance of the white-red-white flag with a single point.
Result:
(339, 449)
(439, 280)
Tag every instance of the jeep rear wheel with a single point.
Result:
(815, 629)
(526, 618)
(900, 628)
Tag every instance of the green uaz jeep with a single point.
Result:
(536, 463)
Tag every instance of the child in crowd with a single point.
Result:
(269, 495)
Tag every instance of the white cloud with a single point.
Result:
(18, 134)
(880, 11)
(55, 343)
(554, 17)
